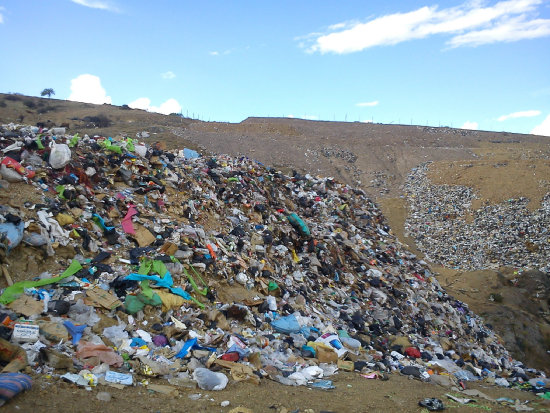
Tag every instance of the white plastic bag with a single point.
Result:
(60, 156)
(141, 150)
(208, 380)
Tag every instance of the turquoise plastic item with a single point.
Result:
(299, 224)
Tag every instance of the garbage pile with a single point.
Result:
(506, 234)
(212, 270)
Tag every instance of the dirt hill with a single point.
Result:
(376, 157)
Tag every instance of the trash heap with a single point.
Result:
(208, 271)
(505, 234)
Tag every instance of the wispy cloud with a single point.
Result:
(542, 129)
(87, 88)
(469, 24)
(470, 125)
(97, 4)
(509, 30)
(522, 114)
(1, 16)
(366, 104)
(168, 75)
(166, 108)
(218, 53)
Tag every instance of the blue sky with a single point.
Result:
(475, 64)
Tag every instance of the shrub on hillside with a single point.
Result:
(12, 97)
(3, 104)
(30, 104)
(46, 109)
(99, 121)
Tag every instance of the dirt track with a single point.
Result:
(353, 394)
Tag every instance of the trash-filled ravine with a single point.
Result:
(208, 270)
(504, 234)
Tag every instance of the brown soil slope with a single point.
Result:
(374, 156)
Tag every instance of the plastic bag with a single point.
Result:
(12, 171)
(80, 313)
(103, 353)
(140, 150)
(299, 224)
(60, 156)
(116, 334)
(286, 325)
(12, 234)
(208, 380)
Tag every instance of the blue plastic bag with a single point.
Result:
(287, 325)
(11, 234)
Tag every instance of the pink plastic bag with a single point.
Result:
(103, 353)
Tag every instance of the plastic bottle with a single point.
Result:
(272, 303)
(351, 343)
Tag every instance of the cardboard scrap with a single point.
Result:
(241, 409)
(101, 298)
(143, 236)
(53, 331)
(27, 306)
(163, 389)
(169, 248)
(239, 372)
(346, 365)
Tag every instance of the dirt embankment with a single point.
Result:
(373, 156)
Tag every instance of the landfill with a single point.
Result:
(505, 234)
(205, 271)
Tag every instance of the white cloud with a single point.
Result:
(217, 53)
(543, 128)
(508, 31)
(470, 125)
(366, 121)
(365, 104)
(97, 4)
(469, 24)
(87, 88)
(522, 114)
(168, 75)
(166, 108)
(1, 16)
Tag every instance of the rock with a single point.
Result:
(104, 396)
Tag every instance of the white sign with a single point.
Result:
(25, 332)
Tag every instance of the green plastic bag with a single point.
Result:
(135, 303)
(130, 145)
(74, 141)
(132, 304)
(12, 292)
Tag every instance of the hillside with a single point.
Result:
(378, 158)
